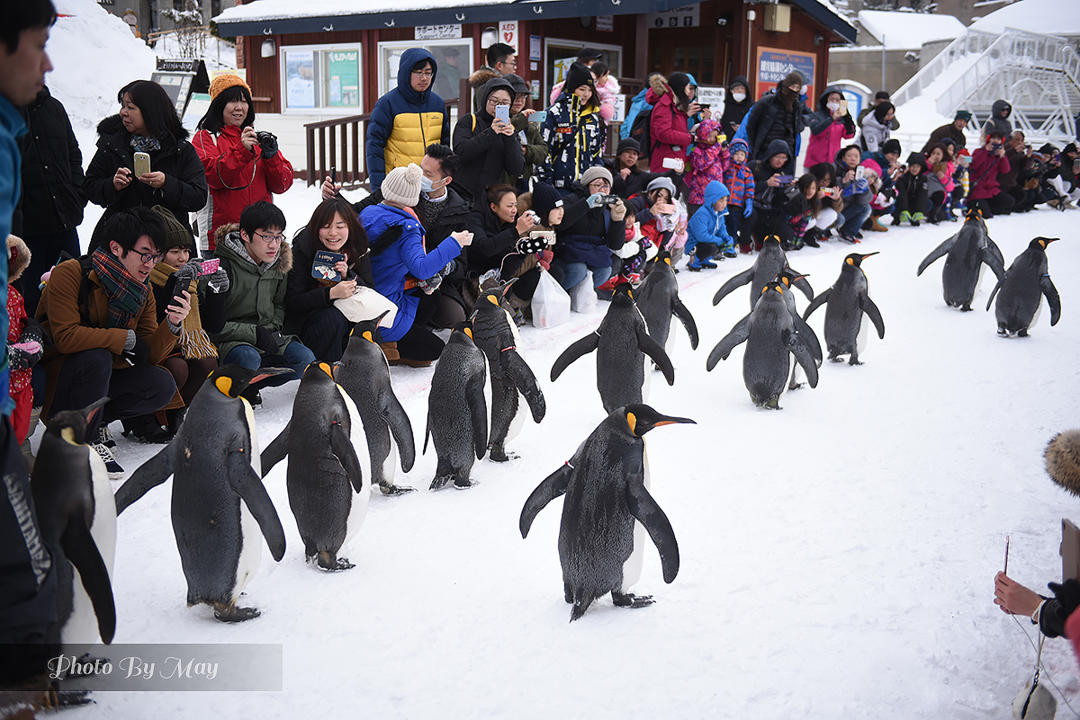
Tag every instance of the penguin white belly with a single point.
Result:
(519, 418)
(632, 566)
(251, 538)
(359, 507)
(864, 333)
(82, 626)
(649, 369)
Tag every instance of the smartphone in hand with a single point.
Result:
(142, 163)
(502, 112)
(209, 267)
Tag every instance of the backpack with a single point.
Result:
(639, 130)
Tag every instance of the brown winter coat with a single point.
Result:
(59, 315)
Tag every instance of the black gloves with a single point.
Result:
(268, 143)
(21, 357)
(137, 355)
(269, 341)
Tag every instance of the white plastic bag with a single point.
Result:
(550, 303)
(367, 304)
(583, 295)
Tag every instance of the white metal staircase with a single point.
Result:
(1039, 75)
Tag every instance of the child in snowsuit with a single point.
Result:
(708, 161)
(911, 195)
(708, 229)
(24, 341)
(638, 250)
(739, 180)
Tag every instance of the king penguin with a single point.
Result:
(769, 263)
(621, 343)
(320, 440)
(457, 418)
(365, 375)
(769, 333)
(967, 250)
(495, 333)
(1025, 281)
(77, 517)
(658, 299)
(219, 503)
(606, 484)
(846, 301)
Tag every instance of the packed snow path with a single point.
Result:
(837, 556)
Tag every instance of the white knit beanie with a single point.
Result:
(402, 185)
(594, 173)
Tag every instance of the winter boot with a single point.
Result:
(390, 351)
(729, 251)
(145, 429)
(810, 237)
(876, 226)
(916, 219)
(904, 217)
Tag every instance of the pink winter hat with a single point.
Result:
(871, 164)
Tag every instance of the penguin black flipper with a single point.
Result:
(82, 551)
(478, 414)
(276, 451)
(817, 302)
(400, 427)
(585, 345)
(648, 513)
(550, 488)
(1052, 298)
(808, 335)
(147, 476)
(994, 292)
(738, 334)
(656, 353)
(251, 490)
(804, 285)
(996, 251)
(802, 355)
(345, 453)
(679, 310)
(734, 282)
(521, 376)
(871, 309)
(993, 260)
(940, 251)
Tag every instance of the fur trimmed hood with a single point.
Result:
(481, 76)
(228, 237)
(658, 83)
(18, 257)
(1062, 457)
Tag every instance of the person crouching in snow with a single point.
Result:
(708, 229)
(708, 161)
(639, 249)
(24, 342)
(911, 197)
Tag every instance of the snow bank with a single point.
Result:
(1052, 17)
(94, 54)
(283, 9)
(909, 30)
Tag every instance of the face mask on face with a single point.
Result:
(738, 96)
(833, 106)
(426, 184)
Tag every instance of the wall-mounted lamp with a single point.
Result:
(488, 37)
(751, 15)
(818, 39)
(268, 48)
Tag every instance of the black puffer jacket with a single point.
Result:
(734, 112)
(303, 293)
(185, 178)
(52, 174)
(485, 154)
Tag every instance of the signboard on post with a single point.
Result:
(508, 33)
(773, 64)
(180, 78)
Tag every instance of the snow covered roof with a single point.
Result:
(1052, 17)
(909, 30)
(828, 15)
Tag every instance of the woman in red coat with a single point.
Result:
(242, 166)
(669, 127)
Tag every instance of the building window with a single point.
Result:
(560, 54)
(454, 58)
(321, 77)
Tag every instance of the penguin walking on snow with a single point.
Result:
(364, 373)
(324, 471)
(769, 263)
(846, 301)
(967, 250)
(457, 419)
(770, 335)
(495, 333)
(621, 343)
(77, 517)
(606, 484)
(1026, 280)
(789, 277)
(658, 299)
(219, 503)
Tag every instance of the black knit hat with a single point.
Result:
(545, 198)
(577, 76)
(881, 95)
(518, 83)
(176, 235)
(917, 159)
(892, 145)
(628, 144)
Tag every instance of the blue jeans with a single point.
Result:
(854, 216)
(570, 274)
(296, 356)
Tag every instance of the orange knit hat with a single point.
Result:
(224, 82)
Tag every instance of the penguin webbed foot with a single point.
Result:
(854, 360)
(1022, 333)
(228, 613)
(330, 562)
(440, 482)
(835, 358)
(629, 600)
(393, 490)
(1002, 332)
(463, 483)
(965, 308)
(497, 453)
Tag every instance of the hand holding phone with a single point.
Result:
(502, 112)
(142, 163)
(209, 267)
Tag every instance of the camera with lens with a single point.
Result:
(265, 137)
(609, 199)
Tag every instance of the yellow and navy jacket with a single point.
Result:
(575, 138)
(404, 122)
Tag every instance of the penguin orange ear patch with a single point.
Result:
(467, 331)
(850, 261)
(368, 337)
(491, 299)
(326, 369)
(69, 435)
(224, 385)
(631, 421)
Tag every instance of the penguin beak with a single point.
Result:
(1044, 241)
(268, 372)
(876, 252)
(91, 410)
(671, 420)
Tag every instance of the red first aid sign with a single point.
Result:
(508, 33)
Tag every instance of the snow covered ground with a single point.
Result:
(837, 556)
